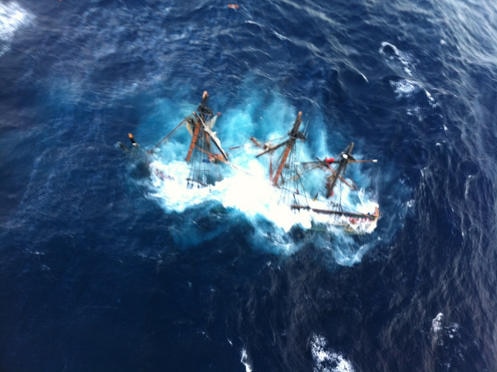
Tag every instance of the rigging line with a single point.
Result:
(306, 127)
(227, 162)
(275, 140)
(299, 181)
(199, 168)
(214, 156)
(166, 137)
(212, 135)
(234, 166)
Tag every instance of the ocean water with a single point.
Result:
(101, 270)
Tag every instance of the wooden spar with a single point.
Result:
(352, 185)
(294, 135)
(271, 148)
(346, 156)
(371, 217)
(193, 142)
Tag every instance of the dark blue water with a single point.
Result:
(98, 275)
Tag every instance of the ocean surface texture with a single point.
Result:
(103, 270)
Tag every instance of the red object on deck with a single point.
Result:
(329, 160)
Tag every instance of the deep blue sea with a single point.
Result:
(100, 272)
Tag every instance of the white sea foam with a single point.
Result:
(326, 360)
(245, 360)
(436, 323)
(441, 330)
(398, 59)
(243, 185)
(12, 17)
(404, 87)
(394, 55)
(248, 191)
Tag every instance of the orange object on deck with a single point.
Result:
(233, 6)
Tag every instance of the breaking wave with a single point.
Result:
(326, 360)
(245, 361)
(397, 59)
(448, 342)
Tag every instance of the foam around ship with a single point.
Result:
(206, 163)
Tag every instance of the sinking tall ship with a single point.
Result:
(205, 163)
(289, 175)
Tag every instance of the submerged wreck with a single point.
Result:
(205, 147)
(204, 154)
(288, 174)
(205, 160)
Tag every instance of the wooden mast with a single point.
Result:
(198, 122)
(193, 142)
(294, 135)
(346, 156)
(368, 216)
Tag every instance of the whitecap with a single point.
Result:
(12, 17)
(404, 87)
(393, 54)
(442, 331)
(436, 323)
(326, 360)
(245, 360)
(429, 96)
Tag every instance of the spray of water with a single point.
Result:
(242, 185)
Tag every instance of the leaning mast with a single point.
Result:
(345, 157)
(290, 143)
